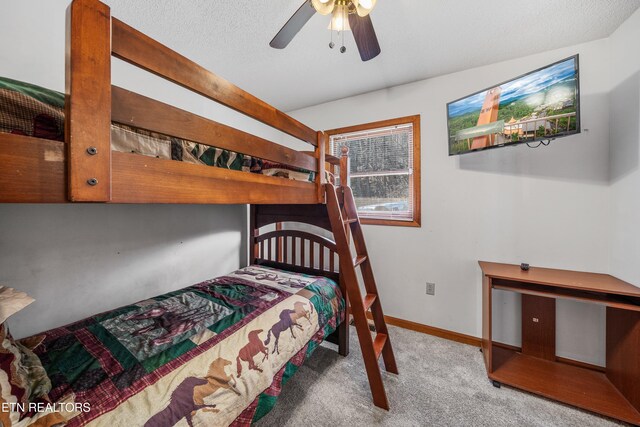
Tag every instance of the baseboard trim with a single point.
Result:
(431, 330)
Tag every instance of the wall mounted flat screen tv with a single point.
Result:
(538, 106)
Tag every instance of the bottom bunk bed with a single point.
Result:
(216, 353)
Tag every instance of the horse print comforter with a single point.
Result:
(213, 354)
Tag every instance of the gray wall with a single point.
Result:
(625, 142)
(546, 206)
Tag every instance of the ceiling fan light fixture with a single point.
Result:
(323, 7)
(364, 7)
(340, 18)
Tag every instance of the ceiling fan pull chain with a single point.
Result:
(345, 14)
(331, 44)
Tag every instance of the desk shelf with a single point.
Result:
(581, 387)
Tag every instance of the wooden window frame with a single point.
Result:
(415, 121)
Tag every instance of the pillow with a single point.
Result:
(23, 379)
(15, 379)
(11, 302)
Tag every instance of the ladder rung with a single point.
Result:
(349, 221)
(369, 299)
(379, 343)
(359, 260)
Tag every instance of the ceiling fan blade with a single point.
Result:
(293, 26)
(365, 36)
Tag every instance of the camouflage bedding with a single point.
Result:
(36, 111)
(215, 354)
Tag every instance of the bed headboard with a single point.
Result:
(293, 250)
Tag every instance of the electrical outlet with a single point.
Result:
(431, 288)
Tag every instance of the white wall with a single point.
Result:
(77, 260)
(546, 206)
(625, 143)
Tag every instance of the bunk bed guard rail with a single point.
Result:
(96, 174)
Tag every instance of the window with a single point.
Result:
(385, 169)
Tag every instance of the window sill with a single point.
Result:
(390, 222)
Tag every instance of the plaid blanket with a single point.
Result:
(216, 353)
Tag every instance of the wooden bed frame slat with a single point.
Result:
(88, 102)
(135, 47)
(286, 250)
(132, 109)
(332, 257)
(320, 154)
(32, 170)
(294, 250)
(143, 179)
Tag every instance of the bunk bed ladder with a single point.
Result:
(344, 221)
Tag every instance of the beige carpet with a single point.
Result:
(441, 383)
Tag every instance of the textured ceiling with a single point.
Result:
(419, 39)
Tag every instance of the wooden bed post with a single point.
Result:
(321, 156)
(345, 164)
(345, 178)
(88, 101)
(253, 233)
(342, 331)
(279, 244)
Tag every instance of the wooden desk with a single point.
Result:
(613, 391)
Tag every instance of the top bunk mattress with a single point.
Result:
(216, 353)
(31, 110)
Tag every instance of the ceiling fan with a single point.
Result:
(345, 15)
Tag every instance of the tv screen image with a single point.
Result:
(541, 105)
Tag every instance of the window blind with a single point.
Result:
(381, 170)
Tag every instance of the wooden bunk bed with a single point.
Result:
(85, 169)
